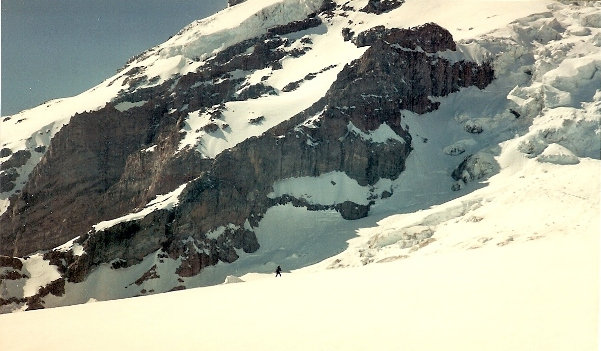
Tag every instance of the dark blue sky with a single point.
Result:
(60, 48)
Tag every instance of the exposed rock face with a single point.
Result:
(8, 168)
(10, 262)
(381, 6)
(296, 26)
(5, 152)
(17, 159)
(7, 179)
(94, 160)
(347, 34)
(108, 163)
(150, 274)
(294, 85)
(430, 37)
(394, 67)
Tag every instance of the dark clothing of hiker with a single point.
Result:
(278, 271)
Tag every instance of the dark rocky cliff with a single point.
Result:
(98, 167)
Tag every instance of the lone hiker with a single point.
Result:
(278, 271)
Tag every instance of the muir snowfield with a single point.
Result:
(486, 299)
(398, 139)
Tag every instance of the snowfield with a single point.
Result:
(505, 256)
(539, 295)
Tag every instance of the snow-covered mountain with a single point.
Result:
(313, 135)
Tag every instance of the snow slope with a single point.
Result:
(539, 295)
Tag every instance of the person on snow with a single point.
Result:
(278, 271)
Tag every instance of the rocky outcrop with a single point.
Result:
(254, 91)
(81, 178)
(381, 6)
(430, 37)
(234, 2)
(294, 85)
(150, 274)
(10, 262)
(296, 26)
(16, 160)
(9, 168)
(403, 63)
(5, 152)
(7, 179)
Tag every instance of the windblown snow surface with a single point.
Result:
(508, 260)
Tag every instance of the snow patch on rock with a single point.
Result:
(232, 279)
(381, 135)
(76, 248)
(328, 189)
(166, 201)
(126, 105)
(41, 273)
